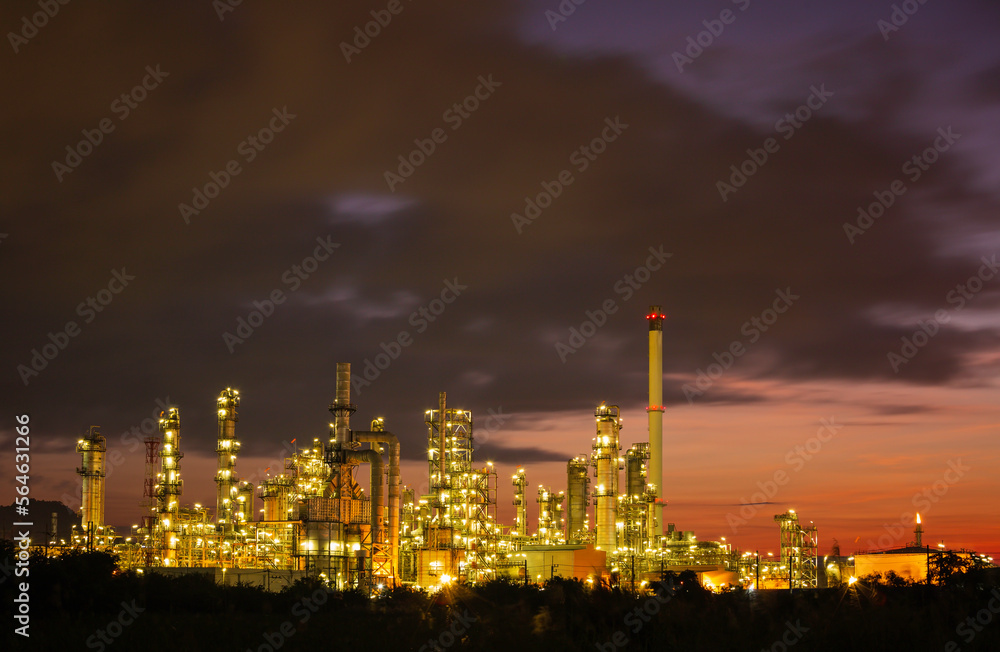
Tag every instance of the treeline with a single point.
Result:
(82, 601)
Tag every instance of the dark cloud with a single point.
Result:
(519, 455)
(323, 176)
(895, 410)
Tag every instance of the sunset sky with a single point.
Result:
(811, 184)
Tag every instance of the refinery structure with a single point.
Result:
(338, 509)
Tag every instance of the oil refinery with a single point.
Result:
(338, 509)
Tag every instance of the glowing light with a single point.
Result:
(852, 580)
(446, 579)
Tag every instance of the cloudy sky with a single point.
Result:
(197, 196)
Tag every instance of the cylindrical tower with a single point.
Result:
(342, 408)
(655, 414)
(577, 485)
(227, 448)
(243, 509)
(92, 449)
(605, 461)
(520, 504)
(635, 469)
(169, 483)
(545, 516)
(444, 512)
(276, 493)
(636, 500)
(558, 524)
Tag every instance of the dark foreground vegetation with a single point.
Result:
(82, 602)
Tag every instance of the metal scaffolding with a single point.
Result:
(798, 551)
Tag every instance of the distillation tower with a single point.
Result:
(454, 532)
(168, 491)
(578, 488)
(227, 512)
(550, 516)
(92, 532)
(798, 551)
(520, 482)
(93, 448)
(607, 462)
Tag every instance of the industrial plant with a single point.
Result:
(338, 510)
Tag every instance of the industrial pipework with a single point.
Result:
(654, 410)
(227, 448)
(92, 447)
(375, 437)
(372, 457)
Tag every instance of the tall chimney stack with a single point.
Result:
(654, 412)
(342, 408)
